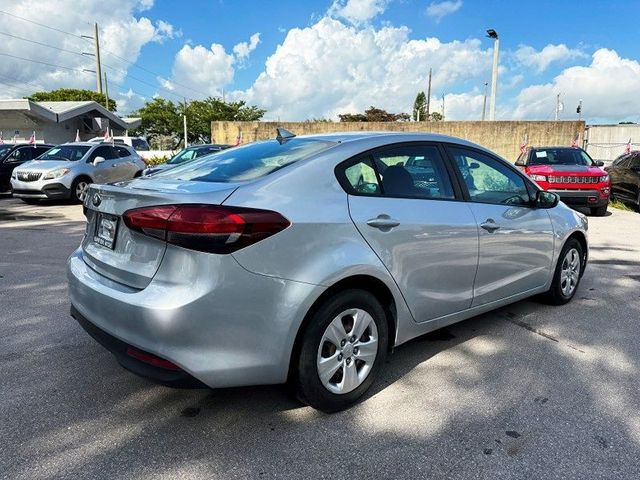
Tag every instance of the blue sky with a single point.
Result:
(319, 58)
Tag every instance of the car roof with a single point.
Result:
(344, 137)
(557, 147)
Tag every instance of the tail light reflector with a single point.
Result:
(206, 228)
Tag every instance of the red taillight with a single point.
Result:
(207, 228)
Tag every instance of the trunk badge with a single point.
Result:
(97, 200)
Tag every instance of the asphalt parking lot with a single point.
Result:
(528, 391)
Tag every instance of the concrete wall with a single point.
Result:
(502, 137)
(607, 142)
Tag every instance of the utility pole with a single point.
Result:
(491, 33)
(557, 107)
(484, 101)
(98, 67)
(429, 95)
(443, 107)
(184, 121)
(106, 91)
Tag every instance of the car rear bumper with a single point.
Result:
(220, 323)
(582, 198)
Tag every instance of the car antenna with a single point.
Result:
(284, 135)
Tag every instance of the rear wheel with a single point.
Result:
(599, 211)
(343, 348)
(568, 273)
(79, 189)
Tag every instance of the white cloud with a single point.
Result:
(312, 74)
(609, 89)
(540, 60)
(243, 49)
(123, 35)
(357, 12)
(439, 10)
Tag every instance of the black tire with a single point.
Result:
(306, 380)
(75, 196)
(555, 294)
(599, 211)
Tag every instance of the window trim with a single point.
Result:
(528, 183)
(368, 155)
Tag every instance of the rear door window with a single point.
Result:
(358, 177)
(122, 151)
(414, 171)
(104, 151)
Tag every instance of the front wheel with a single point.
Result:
(568, 273)
(343, 348)
(79, 189)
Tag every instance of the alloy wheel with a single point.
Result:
(81, 190)
(570, 272)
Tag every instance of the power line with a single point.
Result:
(127, 62)
(40, 43)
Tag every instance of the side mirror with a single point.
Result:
(520, 163)
(97, 161)
(599, 163)
(546, 199)
(474, 165)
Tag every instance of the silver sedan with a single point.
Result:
(307, 259)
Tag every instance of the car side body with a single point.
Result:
(12, 156)
(625, 178)
(238, 319)
(570, 173)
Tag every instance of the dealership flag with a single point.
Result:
(107, 137)
(32, 139)
(77, 135)
(523, 145)
(627, 149)
(575, 142)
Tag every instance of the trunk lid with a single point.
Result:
(131, 258)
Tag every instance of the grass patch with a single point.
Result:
(620, 206)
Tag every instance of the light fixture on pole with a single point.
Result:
(491, 33)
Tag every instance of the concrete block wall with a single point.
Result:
(502, 137)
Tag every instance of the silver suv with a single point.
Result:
(67, 170)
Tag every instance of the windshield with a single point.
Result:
(560, 156)
(4, 149)
(65, 152)
(248, 162)
(183, 156)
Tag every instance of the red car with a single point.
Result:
(571, 173)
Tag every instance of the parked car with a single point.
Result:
(186, 155)
(625, 178)
(571, 173)
(13, 155)
(307, 259)
(138, 143)
(67, 170)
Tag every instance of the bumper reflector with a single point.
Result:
(151, 359)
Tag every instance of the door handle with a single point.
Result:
(383, 222)
(490, 225)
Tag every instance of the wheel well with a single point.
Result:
(360, 282)
(579, 236)
(83, 176)
(138, 174)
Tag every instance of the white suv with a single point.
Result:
(138, 143)
(67, 170)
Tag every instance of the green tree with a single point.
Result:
(373, 114)
(436, 117)
(420, 108)
(73, 95)
(163, 118)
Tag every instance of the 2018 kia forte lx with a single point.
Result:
(306, 259)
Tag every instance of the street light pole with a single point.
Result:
(494, 73)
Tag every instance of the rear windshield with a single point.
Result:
(246, 163)
(65, 152)
(560, 156)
